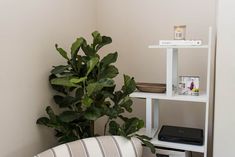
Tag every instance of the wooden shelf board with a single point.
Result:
(201, 98)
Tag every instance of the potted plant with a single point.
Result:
(85, 91)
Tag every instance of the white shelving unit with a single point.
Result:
(152, 118)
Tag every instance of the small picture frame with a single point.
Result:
(189, 85)
(179, 32)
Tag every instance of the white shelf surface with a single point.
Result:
(143, 131)
(187, 147)
(201, 98)
(179, 46)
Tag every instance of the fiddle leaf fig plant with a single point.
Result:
(85, 91)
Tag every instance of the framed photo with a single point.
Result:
(188, 85)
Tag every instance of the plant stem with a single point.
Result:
(98, 75)
(105, 127)
(92, 128)
(84, 87)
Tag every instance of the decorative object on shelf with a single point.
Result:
(85, 91)
(179, 32)
(151, 87)
(188, 85)
(180, 42)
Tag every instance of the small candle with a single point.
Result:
(179, 32)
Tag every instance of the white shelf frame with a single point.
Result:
(172, 81)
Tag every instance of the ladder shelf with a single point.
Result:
(152, 99)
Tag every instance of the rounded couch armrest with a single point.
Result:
(102, 146)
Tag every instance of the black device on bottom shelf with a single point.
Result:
(181, 135)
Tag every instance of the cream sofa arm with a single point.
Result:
(102, 146)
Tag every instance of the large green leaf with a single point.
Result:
(62, 52)
(118, 95)
(110, 58)
(76, 46)
(64, 101)
(59, 69)
(65, 74)
(129, 85)
(63, 81)
(57, 88)
(96, 34)
(93, 113)
(99, 41)
(149, 145)
(43, 121)
(47, 122)
(146, 142)
(109, 72)
(93, 87)
(143, 137)
(112, 113)
(105, 40)
(115, 129)
(51, 114)
(133, 125)
(91, 64)
(97, 38)
(97, 86)
(126, 103)
(86, 101)
(106, 82)
(77, 80)
(87, 49)
(69, 116)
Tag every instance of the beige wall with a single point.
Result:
(28, 31)
(134, 24)
(224, 121)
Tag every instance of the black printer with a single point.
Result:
(181, 135)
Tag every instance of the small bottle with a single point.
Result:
(179, 32)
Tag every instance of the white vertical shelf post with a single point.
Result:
(149, 116)
(172, 70)
(208, 91)
(152, 105)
